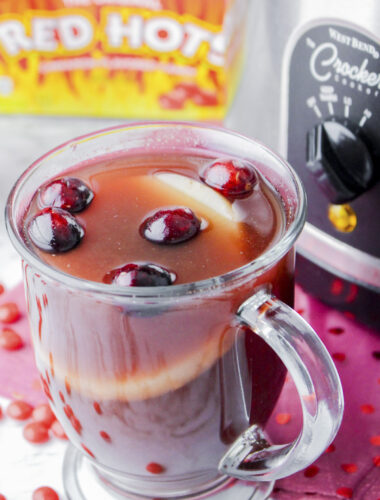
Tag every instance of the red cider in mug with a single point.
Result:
(153, 389)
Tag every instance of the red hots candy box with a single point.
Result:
(144, 58)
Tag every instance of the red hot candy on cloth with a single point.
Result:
(350, 466)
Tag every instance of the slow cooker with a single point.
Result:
(313, 81)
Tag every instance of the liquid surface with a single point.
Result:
(128, 189)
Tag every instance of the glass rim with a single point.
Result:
(253, 268)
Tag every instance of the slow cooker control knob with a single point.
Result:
(339, 160)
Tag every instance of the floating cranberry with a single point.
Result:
(170, 226)
(57, 429)
(155, 468)
(9, 312)
(139, 275)
(45, 493)
(10, 340)
(55, 230)
(43, 414)
(68, 193)
(19, 410)
(232, 178)
(36, 432)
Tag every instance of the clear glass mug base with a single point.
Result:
(82, 481)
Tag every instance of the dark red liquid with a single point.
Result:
(139, 382)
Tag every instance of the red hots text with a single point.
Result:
(117, 31)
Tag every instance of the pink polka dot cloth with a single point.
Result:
(349, 468)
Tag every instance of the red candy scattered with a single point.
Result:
(375, 440)
(170, 226)
(376, 461)
(155, 468)
(344, 492)
(36, 432)
(9, 312)
(336, 330)
(43, 414)
(185, 91)
(311, 471)
(55, 230)
(2, 497)
(10, 340)
(283, 418)
(330, 448)
(205, 98)
(45, 493)
(367, 409)
(232, 178)
(19, 410)
(171, 101)
(338, 356)
(57, 429)
(349, 468)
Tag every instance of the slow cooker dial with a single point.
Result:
(339, 160)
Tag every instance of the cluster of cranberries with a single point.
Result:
(55, 228)
(232, 178)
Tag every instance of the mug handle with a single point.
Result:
(317, 383)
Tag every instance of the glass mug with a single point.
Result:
(165, 392)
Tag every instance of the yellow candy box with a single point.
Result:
(158, 59)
